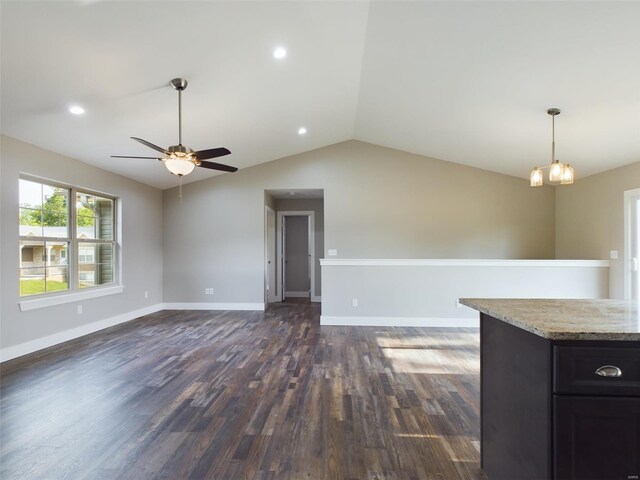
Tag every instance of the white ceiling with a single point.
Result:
(467, 82)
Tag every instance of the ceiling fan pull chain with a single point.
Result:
(180, 190)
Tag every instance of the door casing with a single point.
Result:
(280, 242)
(632, 244)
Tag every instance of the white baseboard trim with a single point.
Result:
(31, 346)
(316, 298)
(399, 321)
(296, 294)
(213, 306)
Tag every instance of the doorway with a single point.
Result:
(296, 254)
(632, 244)
(294, 244)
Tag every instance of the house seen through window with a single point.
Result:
(67, 238)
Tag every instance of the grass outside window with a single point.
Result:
(33, 286)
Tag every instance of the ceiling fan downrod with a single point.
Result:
(179, 84)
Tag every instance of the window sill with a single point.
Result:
(42, 302)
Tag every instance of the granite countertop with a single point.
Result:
(565, 319)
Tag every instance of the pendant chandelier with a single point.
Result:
(558, 173)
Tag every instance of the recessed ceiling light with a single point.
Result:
(279, 52)
(76, 109)
(302, 130)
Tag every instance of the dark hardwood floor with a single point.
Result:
(251, 395)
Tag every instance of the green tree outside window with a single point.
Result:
(54, 212)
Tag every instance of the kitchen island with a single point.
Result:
(560, 388)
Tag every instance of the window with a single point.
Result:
(27, 254)
(95, 239)
(56, 219)
(85, 254)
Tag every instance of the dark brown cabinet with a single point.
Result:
(562, 410)
(596, 438)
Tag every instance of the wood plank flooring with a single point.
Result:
(245, 395)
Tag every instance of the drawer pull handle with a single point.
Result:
(609, 371)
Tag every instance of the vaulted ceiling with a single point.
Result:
(467, 82)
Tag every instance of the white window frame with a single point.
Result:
(74, 292)
(630, 197)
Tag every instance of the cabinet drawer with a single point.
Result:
(575, 370)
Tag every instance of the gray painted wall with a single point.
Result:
(432, 292)
(590, 219)
(379, 203)
(317, 206)
(297, 277)
(141, 223)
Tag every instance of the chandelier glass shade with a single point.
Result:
(537, 177)
(558, 173)
(555, 171)
(567, 175)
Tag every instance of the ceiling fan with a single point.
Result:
(181, 160)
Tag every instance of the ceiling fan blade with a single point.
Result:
(218, 166)
(211, 153)
(128, 156)
(150, 145)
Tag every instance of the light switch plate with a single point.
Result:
(613, 255)
(332, 252)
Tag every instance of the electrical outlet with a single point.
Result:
(208, 291)
(79, 309)
(354, 302)
(613, 255)
(146, 294)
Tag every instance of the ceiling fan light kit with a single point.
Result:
(179, 166)
(558, 173)
(179, 159)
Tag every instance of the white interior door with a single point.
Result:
(270, 256)
(283, 257)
